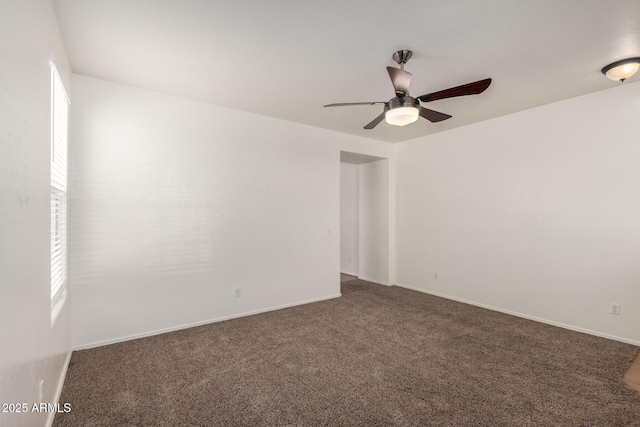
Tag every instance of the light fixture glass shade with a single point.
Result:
(401, 116)
(621, 70)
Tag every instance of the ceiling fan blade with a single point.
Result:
(375, 122)
(433, 116)
(400, 80)
(344, 104)
(468, 89)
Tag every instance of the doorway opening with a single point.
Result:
(364, 217)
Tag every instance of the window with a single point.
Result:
(59, 124)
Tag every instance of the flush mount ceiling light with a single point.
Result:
(622, 70)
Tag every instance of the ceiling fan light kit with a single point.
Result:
(622, 70)
(404, 109)
(401, 116)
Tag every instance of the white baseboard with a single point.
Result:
(58, 391)
(204, 322)
(378, 282)
(525, 316)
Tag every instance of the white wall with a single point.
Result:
(373, 248)
(536, 213)
(176, 203)
(349, 221)
(32, 349)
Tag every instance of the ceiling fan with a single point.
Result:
(404, 109)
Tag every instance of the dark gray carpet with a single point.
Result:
(378, 356)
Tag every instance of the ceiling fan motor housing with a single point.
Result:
(397, 102)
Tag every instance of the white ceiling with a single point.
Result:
(288, 58)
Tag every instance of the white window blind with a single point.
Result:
(59, 125)
(58, 242)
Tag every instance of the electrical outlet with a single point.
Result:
(615, 308)
(237, 292)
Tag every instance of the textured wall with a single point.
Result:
(373, 248)
(32, 349)
(176, 203)
(349, 218)
(535, 213)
